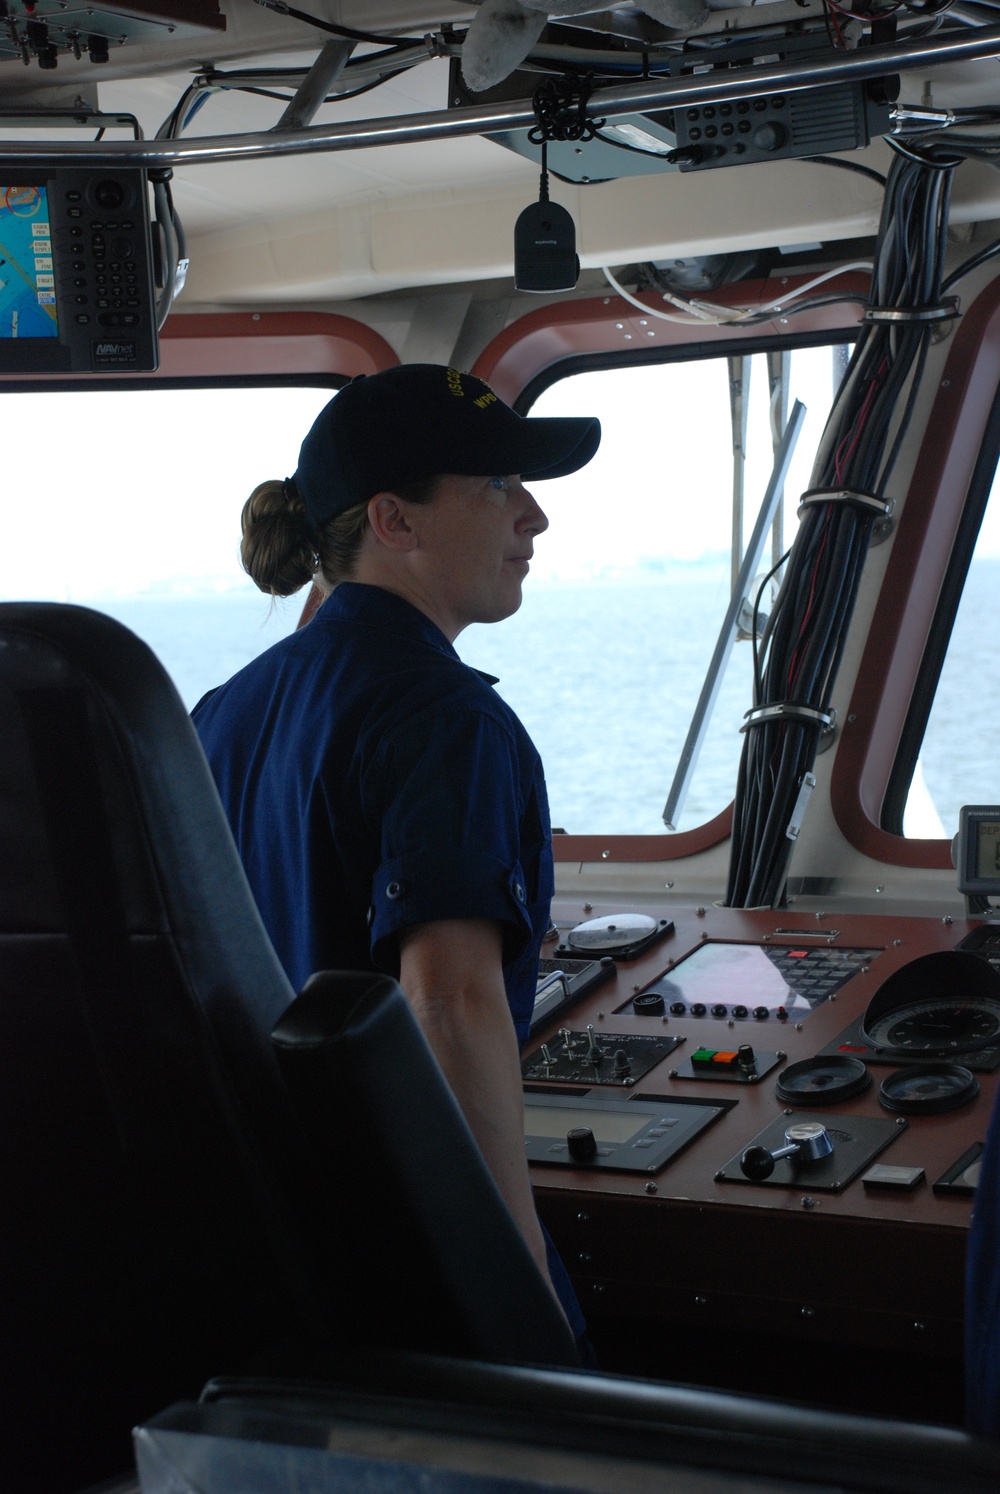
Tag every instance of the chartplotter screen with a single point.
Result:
(27, 274)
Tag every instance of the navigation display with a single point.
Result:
(27, 277)
(760, 981)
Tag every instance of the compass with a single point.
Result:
(619, 936)
(938, 1027)
(938, 1006)
(617, 931)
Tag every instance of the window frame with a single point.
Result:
(902, 620)
(555, 341)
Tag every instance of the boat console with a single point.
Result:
(763, 1128)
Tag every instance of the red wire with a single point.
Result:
(853, 436)
(833, 19)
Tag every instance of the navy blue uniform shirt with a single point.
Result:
(373, 781)
(982, 1294)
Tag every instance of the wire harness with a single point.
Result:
(798, 653)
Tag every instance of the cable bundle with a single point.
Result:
(798, 654)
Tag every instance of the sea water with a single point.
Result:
(606, 676)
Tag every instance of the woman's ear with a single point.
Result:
(389, 523)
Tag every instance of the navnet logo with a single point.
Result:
(115, 351)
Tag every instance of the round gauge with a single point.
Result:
(928, 1089)
(937, 1026)
(822, 1081)
(616, 931)
(938, 1006)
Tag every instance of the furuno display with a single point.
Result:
(751, 981)
(977, 850)
(76, 282)
(621, 1135)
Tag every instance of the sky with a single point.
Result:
(118, 494)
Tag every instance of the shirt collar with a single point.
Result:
(354, 601)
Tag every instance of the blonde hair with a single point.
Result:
(280, 550)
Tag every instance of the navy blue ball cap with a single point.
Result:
(388, 429)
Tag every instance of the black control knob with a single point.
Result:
(740, 1012)
(109, 194)
(761, 1013)
(718, 1010)
(769, 136)
(746, 1058)
(756, 1163)
(582, 1144)
(649, 1004)
(698, 1009)
(622, 1065)
(677, 1008)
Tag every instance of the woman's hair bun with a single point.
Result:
(277, 550)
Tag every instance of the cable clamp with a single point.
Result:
(786, 710)
(856, 497)
(950, 307)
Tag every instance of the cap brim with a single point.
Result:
(555, 447)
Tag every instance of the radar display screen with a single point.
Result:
(756, 981)
(27, 275)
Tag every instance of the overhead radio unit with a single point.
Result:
(767, 127)
(746, 127)
(76, 272)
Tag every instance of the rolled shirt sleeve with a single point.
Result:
(447, 789)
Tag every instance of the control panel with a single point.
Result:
(852, 1064)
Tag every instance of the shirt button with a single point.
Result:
(394, 890)
(519, 892)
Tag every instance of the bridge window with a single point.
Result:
(607, 656)
(129, 501)
(949, 754)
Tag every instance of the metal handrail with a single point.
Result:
(485, 119)
(731, 622)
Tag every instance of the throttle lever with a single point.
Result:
(806, 1141)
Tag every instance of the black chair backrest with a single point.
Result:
(151, 1221)
(160, 1219)
(447, 1270)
